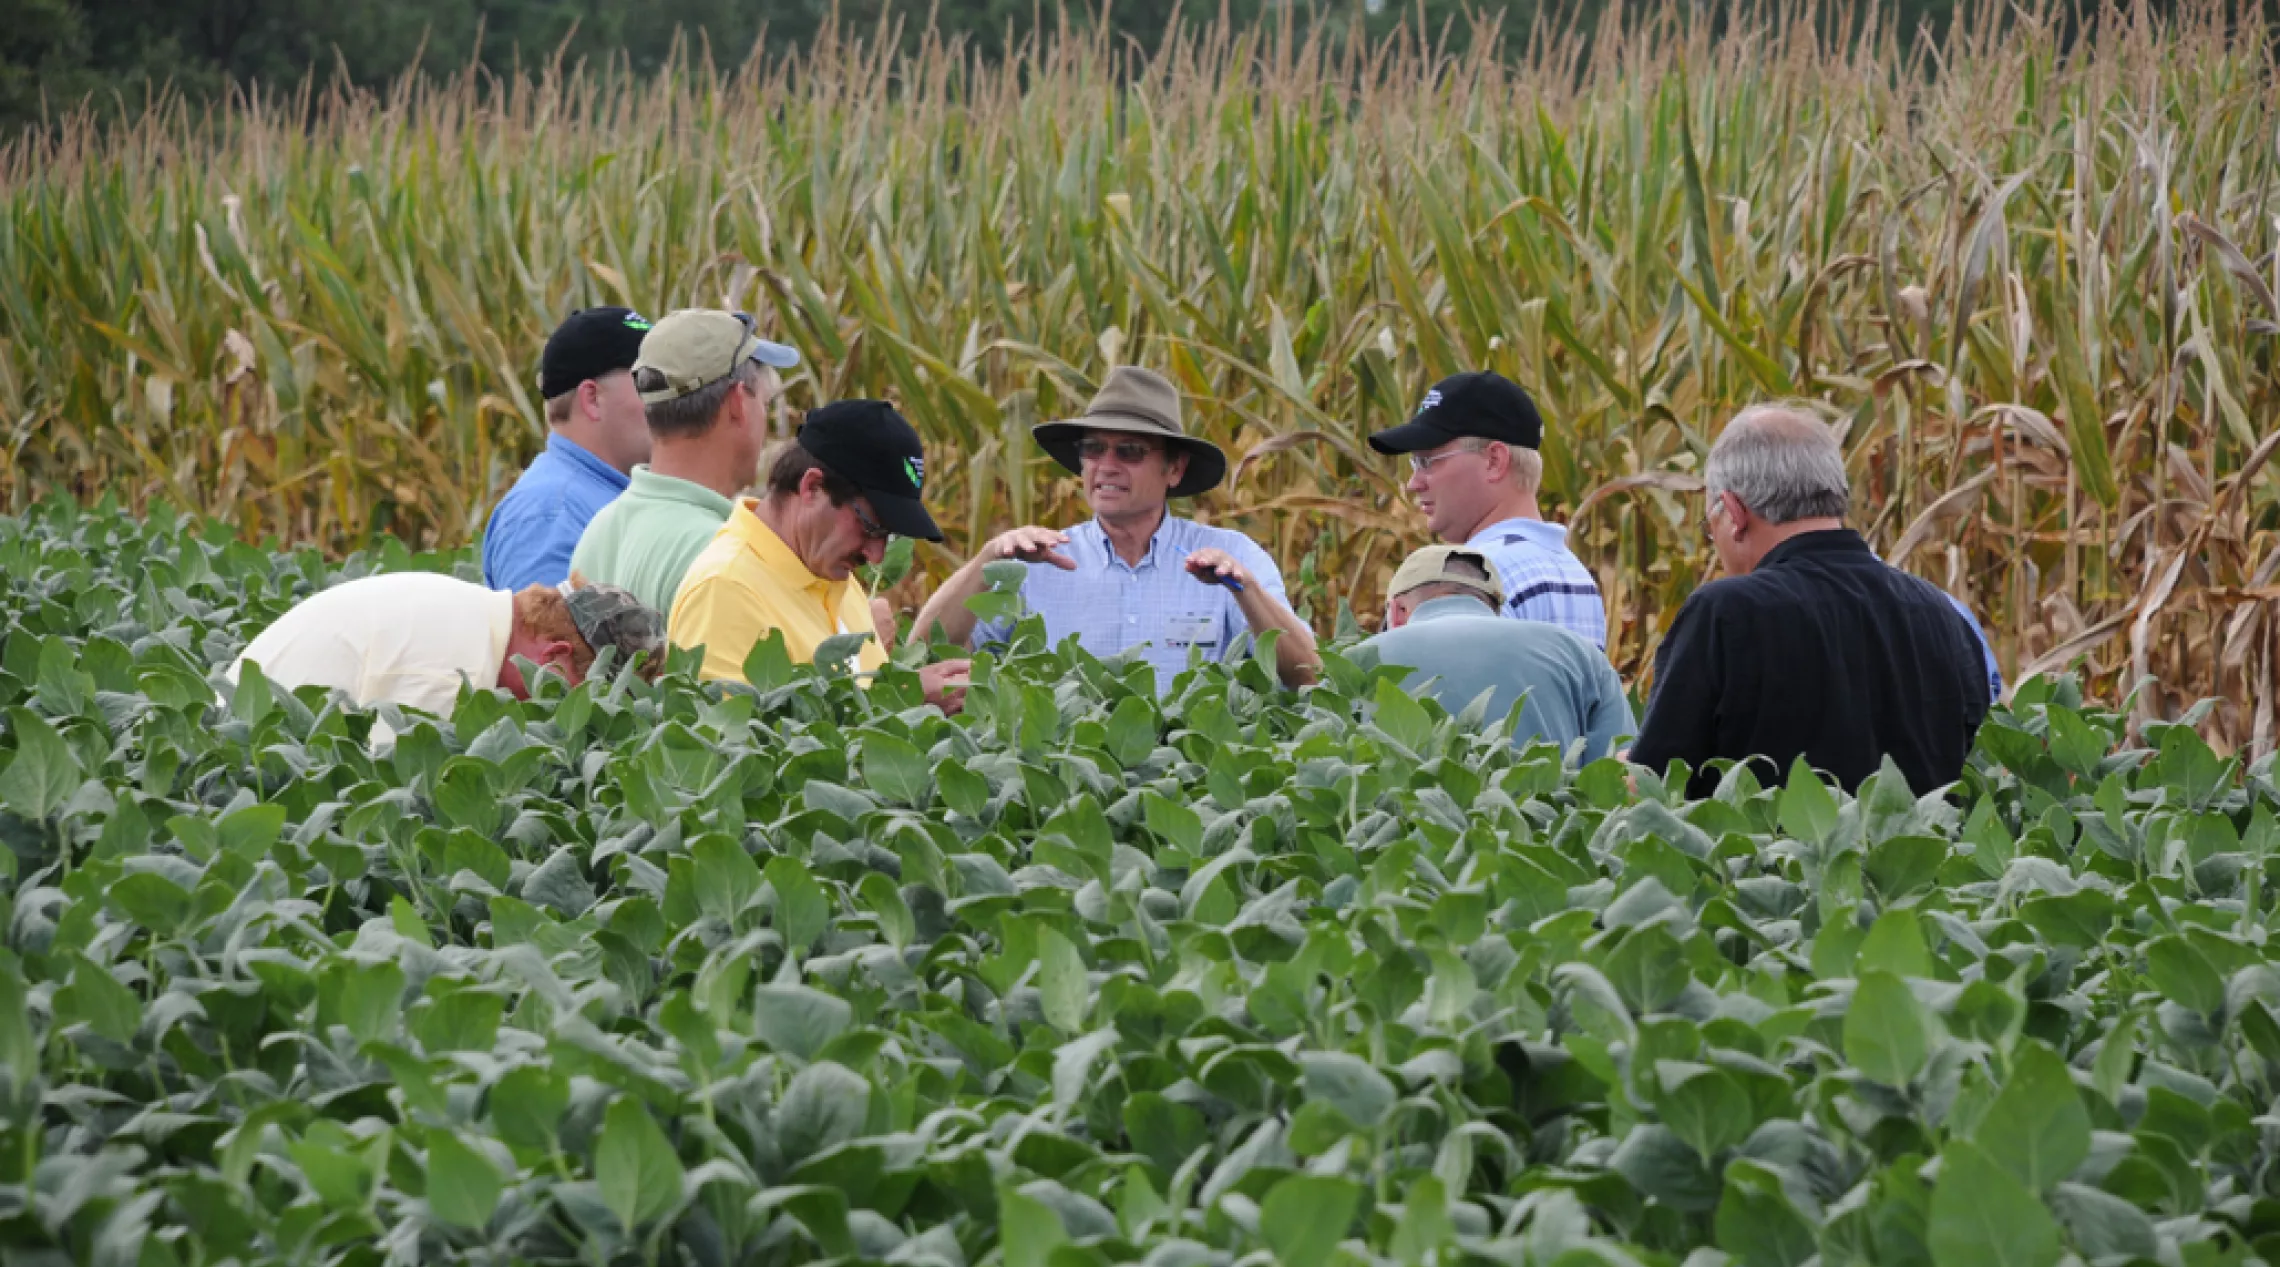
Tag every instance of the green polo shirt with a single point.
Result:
(1564, 686)
(646, 538)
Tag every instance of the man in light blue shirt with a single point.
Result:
(596, 433)
(1442, 622)
(1135, 575)
(1474, 470)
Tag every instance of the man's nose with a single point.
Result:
(874, 552)
(1416, 482)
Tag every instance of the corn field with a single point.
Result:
(2035, 279)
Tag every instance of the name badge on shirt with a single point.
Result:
(1202, 631)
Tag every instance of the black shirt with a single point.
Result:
(1824, 652)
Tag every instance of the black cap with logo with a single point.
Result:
(868, 444)
(1482, 403)
(588, 344)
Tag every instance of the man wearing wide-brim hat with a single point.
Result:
(1135, 575)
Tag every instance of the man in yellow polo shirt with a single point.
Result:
(786, 560)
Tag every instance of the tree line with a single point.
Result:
(112, 55)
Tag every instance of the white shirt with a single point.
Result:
(406, 638)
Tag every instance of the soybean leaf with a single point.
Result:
(1061, 982)
(796, 1019)
(2037, 1129)
(44, 772)
(462, 1184)
(635, 1166)
(1982, 1217)
(1885, 1030)
(1349, 1084)
(1305, 1216)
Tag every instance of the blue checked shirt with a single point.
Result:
(1110, 606)
(1543, 580)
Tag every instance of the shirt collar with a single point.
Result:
(1110, 559)
(568, 449)
(1448, 605)
(1824, 541)
(1535, 531)
(675, 489)
(774, 555)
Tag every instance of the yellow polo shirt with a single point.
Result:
(747, 582)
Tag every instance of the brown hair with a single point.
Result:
(791, 465)
(539, 609)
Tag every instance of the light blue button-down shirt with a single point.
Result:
(536, 525)
(1110, 606)
(1543, 580)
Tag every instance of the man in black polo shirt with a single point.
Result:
(1811, 646)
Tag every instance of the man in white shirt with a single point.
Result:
(411, 638)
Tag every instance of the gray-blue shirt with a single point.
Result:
(1564, 686)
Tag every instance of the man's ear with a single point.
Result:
(811, 481)
(1176, 464)
(557, 654)
(1498, 457)
(590, 399)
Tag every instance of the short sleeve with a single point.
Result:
(1261, 566)
(708, 613)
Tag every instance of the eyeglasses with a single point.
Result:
(1424, 465)
(1125, 450)
(872, 529)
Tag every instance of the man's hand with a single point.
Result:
(944, 682)
(1217, 567)
(1030, 545)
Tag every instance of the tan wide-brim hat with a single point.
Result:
(1143, 403)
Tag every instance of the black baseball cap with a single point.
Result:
(868, 444)
(588, 344)
(1481, 403)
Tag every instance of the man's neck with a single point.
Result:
(1777, 534)
(1129, 535)
(586, 440)
(695, 463)
(1512, 506)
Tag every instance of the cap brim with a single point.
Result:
(1412, 437)
(904, 516)
(775, 356)
(1206, 467)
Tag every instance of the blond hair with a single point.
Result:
(1527, 468)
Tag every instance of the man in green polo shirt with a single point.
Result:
(706, 429)
(1441, 620)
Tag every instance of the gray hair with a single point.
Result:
(686, 417)
(1782, 462)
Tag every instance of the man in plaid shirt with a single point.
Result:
(1474, 470)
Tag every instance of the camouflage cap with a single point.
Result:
(608, 616)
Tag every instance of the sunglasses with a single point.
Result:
(872, 529)
(1125, 450)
